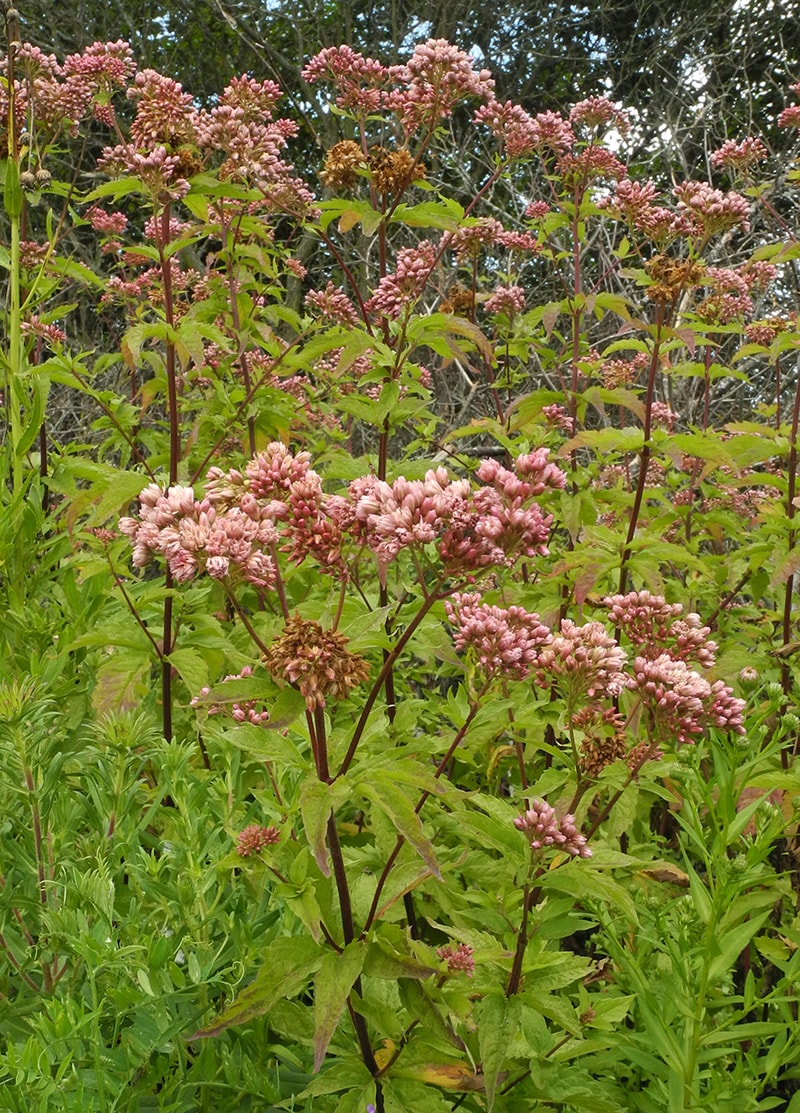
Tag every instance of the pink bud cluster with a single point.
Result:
(582, 661)
(599, 113)
(359, 80)
(654, 626)
(254, 839)
(711, 210)
(485, 232)
(633, 203)
(492, 525)
(460, 959)
(60, 96)
(681, 701)
(436, 78)
(729, 297)
(401, 290)
(164, 113)
(556, 416)
(278, 501)
(107, 223)
(194, 537)
(158, 170)
(739, 156)
(245, 712)
(790, 117)
(509, 300)
(522, 135)
(332, 304)
(683, 704)
(505, 641)
(541, 824)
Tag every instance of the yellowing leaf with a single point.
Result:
(348, 220)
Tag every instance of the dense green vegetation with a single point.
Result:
(398, 694)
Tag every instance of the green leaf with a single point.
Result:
(347, 1073)
(191, 666)
(578, 878)
(497, 1024)
(289, 966)
(628, 439)
(120, 187)
(445, 213)
(265, 744)
(318, 801)
(731, 944)
(332, 986)
(394, 803)
(382, 961)
(12, 193)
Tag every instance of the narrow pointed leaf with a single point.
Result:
(499, 1020)
(288, 968)
(332, 986)
(399, 809)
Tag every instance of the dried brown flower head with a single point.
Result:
(392, 172)
(671, 277)
(315, 660)
(597, 753)
(342, 163)
(459, 300)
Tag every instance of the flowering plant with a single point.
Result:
(398, 602)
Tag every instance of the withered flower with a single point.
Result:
(316, 661)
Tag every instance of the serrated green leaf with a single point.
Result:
(332, 985)
(497, 1023)
(394, 803)
(289, 965)
(382, 961)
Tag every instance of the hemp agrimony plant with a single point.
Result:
(420, 604)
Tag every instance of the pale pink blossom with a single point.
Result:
(582, 661)
(505, 641)
(509, 300)
(541, 824)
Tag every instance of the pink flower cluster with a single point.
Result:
(459, 959)
(633, 203)
(253, 839)
(359, 80)
(60, 96)
(194, 537)
(541, 824)
(712, 210)
(401, 290)
(654, 626)
(436, 78)
(790, 117)
(599, 113)
(509, 300)
(582, 662)
(739, 156)
(332, 304)
(681, 701)
(729, 297)
(484, 232)
(522, 135)
(557, 416)
(278, 501)
(506, 642)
